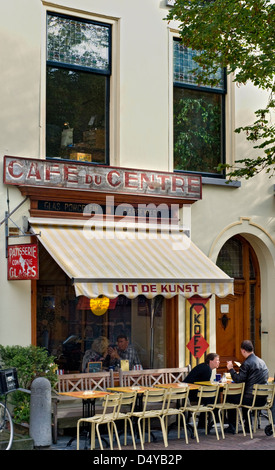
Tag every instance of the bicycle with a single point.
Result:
(8, 383)
(6, 426)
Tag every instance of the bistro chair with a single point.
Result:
(230, 390)
(205, 391)
(111, 404)
(153, 407)
(180, 395)
(127, 399)
(261, 390)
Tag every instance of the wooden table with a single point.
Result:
(209, 383)
(88, 398)
(129, 389)
(179, 385)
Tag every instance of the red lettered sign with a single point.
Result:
(23, 262)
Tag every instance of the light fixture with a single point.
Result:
(99, 305)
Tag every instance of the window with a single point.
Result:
(77, 89)
(230, 258)
(199, 140)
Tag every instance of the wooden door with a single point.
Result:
(238, 316)
(229, 327)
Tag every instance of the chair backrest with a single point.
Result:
(208, 391)
(111, 405)
(153, 397)
(177, 394)
(152, 377)
(128, 399)
(264, 390)
(85, 381)
(236, 389)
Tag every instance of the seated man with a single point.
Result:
(252, 371)
(123, 351)
(202, 373)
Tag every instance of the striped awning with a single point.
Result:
(110, 261)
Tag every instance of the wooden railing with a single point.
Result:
(152, 377)
(85, 381)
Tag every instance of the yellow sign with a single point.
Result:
(100, 305)
(197, 330)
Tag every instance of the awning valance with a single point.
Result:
(112, 262)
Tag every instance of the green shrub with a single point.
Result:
(31, 362)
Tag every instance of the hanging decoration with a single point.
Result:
(197, 329)
(100, 305)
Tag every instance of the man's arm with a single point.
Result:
(240, 376)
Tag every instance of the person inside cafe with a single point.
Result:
(97, 353)
(252, 371)
(202, 373)
(123, 351)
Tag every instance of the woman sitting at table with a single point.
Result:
(97, 353)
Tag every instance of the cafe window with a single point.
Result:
(199, 117)
(77, 89)
(67, 326)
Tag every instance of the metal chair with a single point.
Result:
(127, 399)
(205, 391)
(261, 390)
(177, 394)
(110, 402)
(150, 399)
(231, 390)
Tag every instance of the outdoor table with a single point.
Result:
(179, 385)
(208, 382)
(88, 398)
(130, 388)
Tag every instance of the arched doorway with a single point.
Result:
(238, 316)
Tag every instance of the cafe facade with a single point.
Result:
(106, 228)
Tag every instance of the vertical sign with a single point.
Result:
(23, 262)
(197, 329)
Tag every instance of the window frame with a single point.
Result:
(210, 90)
(85, 69)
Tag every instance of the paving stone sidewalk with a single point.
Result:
(208, 442)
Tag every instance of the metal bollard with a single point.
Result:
(40, 412)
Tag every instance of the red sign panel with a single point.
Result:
(197, 345)
(23, 262)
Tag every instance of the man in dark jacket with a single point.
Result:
(252, 371)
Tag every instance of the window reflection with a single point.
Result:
(76, 115)
(197, 130)
(77, 89)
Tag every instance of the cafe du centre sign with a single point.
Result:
(82, 176)
(23, 259)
